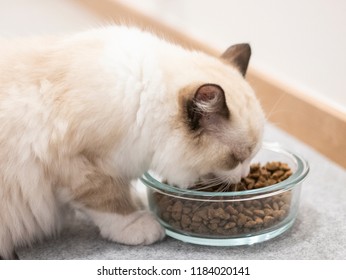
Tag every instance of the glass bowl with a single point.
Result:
(230, 218)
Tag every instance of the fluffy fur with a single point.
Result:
(83, 115)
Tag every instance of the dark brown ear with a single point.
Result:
(239, 56)
(207, 103)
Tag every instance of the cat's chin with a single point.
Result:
(233, 176)
(184, 185)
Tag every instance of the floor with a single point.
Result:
(318, 233)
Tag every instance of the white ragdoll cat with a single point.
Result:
(81, 116)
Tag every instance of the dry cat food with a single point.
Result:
(229, 217)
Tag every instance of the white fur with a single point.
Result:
(112, 91)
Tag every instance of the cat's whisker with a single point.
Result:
(222, 188)
(214, 182)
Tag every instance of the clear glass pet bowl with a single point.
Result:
(230, 218)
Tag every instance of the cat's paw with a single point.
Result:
(142, 228)
(137, 228)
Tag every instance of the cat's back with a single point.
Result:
(45, 80)
(116, 47)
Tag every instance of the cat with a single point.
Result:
(82, 115)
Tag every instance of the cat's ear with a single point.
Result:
(239, 56)
(207, 104)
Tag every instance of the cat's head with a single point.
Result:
(219, 125)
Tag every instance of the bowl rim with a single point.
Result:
(297, 177)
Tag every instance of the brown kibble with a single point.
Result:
(272, 166)
(177, 210)
(286, 198)
(275, 206)
(277, 174)
(271, 181)
(211, 213)
(176, 216)
(230, 225)
(230, 209)
(178, 206)
(195, 224)
(276, 213)
(215, 221)
(259, 185)
(250, 224)
(265, 174)
(212, 226)
(284, 166)
(254, 175)
(202, 213)
(223, 223)
(259, 221)
(267, 211)
(254, 167)
(268, 220)
(230, 218)
(234, 218)
(285, 207)
(286, 175)
(202, 229)
(220, 231)
(242, 219)
(249, 181)
(262, 179)
(196, 218)
(259, 213)
(256, 203)
(267, 206)
(225, 216)
(219, 212)
(247, 212)
(185, 221)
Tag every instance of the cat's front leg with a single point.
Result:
(108, 202)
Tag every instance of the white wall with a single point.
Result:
(38, 17)
(300, 42)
